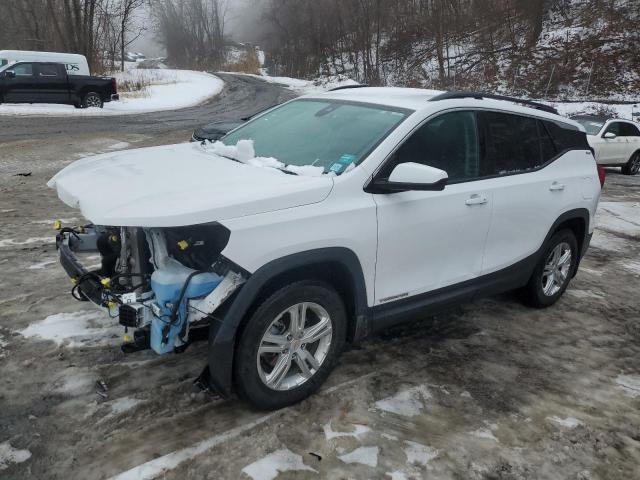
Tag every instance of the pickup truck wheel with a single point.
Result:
(92, 99)
(290, 345)
(633, 165)
(554, 270)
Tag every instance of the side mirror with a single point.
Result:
(411, 176)
(10, 74)
(609, 136)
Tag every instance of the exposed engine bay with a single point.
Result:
(159, 282)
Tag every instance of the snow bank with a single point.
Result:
(169, 90)
(244, 152)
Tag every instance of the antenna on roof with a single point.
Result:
(480, 96)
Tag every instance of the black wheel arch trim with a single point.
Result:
(228, 319)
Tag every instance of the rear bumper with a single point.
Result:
(115, 97)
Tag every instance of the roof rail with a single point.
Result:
(480, 96)
(345, 87)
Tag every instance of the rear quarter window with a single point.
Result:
(566, 137)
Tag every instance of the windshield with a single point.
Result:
(592, 127)
(324, 133)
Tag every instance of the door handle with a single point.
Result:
(556, 187)
(476, 199)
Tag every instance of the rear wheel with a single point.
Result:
(633, 165)
(92, 99)
(290, 345)
(554, 271)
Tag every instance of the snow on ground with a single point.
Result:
(117, 407)
(9, 455)
(41, 265)
(305, 87)
(76, 329)
(484, 433)
(620, 217)
(272, 465)
(169, 90)
(630, 385)
(568, 109)
(12, 242)
(568, 422)
(364, 455)
(418, 453)
(359, 430)
(407, 403)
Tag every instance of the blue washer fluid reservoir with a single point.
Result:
(166, 284)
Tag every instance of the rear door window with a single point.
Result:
(48, 70)
(566, 137)
(511, 144)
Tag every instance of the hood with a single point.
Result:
(178, 185)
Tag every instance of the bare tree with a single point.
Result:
(192, 31)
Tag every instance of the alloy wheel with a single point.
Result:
(635, 164)
(93, 100)
(294, 346)
(556, 270)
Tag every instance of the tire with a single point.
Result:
(633, 165)
(254, 374)
(92, 99)
(544, 290)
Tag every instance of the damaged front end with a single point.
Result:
(161, 283)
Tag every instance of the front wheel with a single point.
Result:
(290, 345)
(92, 99)
(633, 165)
(554, 271)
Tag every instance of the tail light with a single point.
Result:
(601, 175)
(114, 85)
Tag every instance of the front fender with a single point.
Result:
(223, 331)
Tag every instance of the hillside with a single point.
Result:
(558, 49)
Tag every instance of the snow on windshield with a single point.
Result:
(244, 152)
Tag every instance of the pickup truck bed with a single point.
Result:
(33, 82)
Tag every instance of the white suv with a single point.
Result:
(615, 142)
(328, 218)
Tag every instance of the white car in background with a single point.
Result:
(616, 142)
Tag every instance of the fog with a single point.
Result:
(243, 23)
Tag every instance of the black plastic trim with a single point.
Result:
(383, 185)
(491, 96)
(348, 87)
